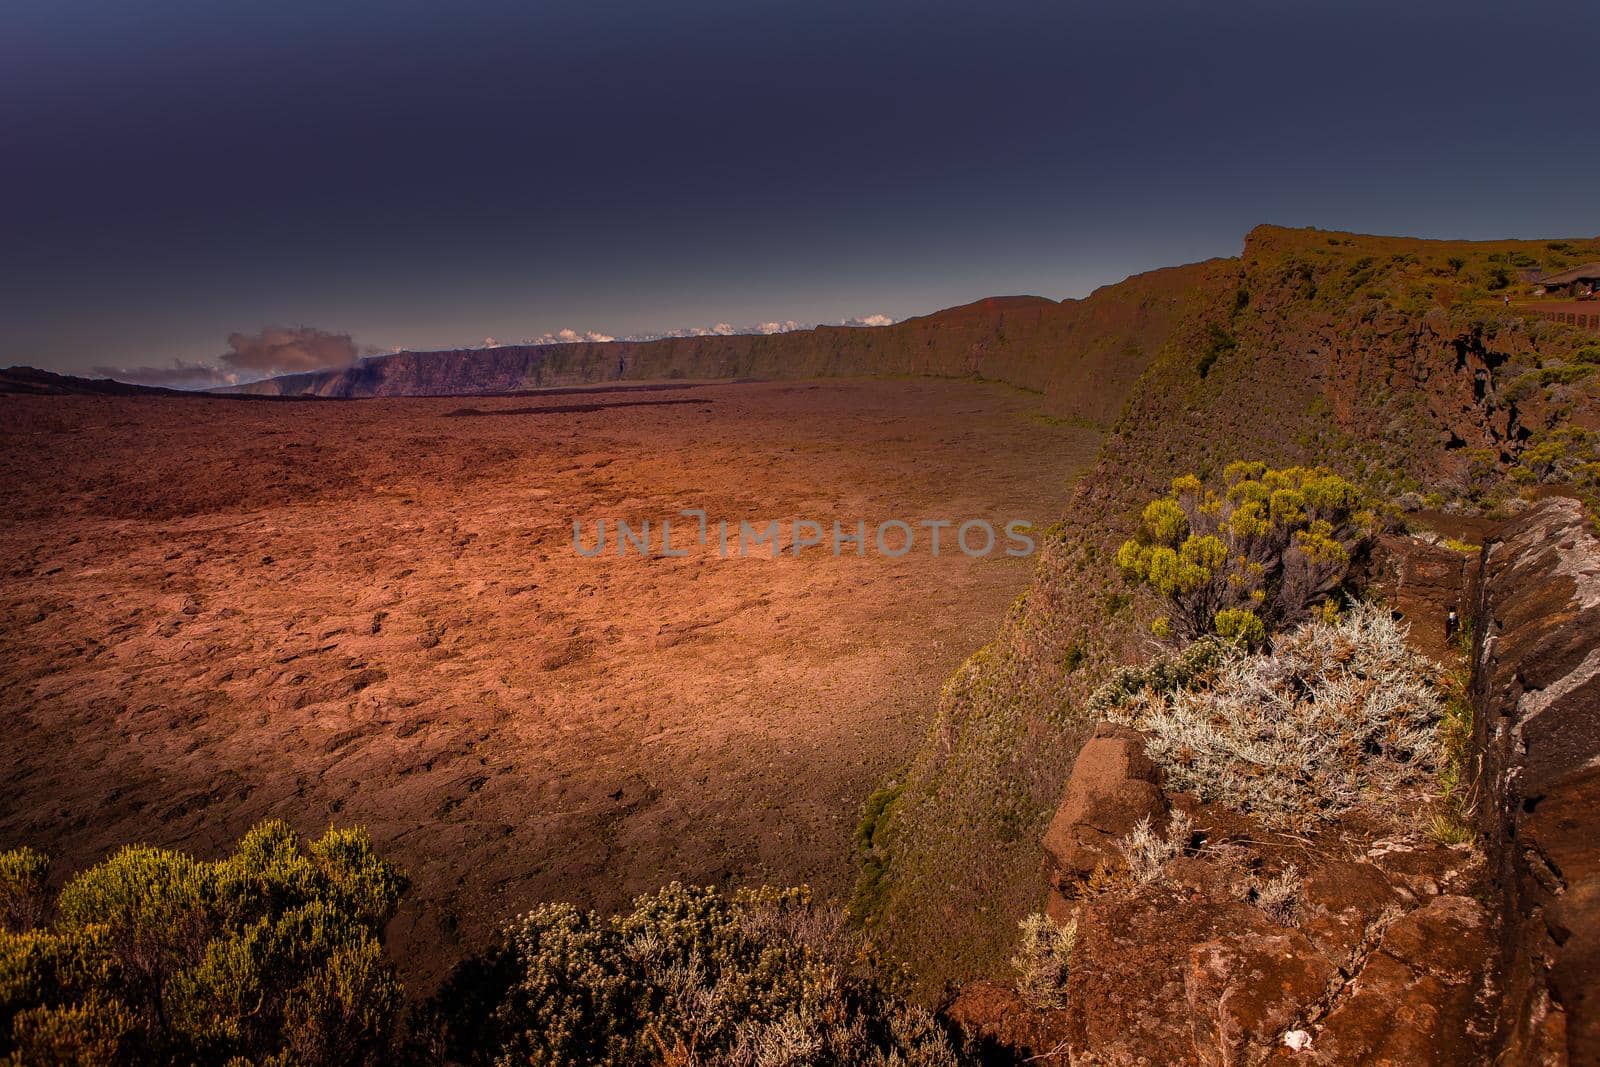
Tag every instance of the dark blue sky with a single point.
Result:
(428, 174)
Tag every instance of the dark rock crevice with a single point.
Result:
(1536, 697)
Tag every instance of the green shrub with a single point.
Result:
(1565, 373)
(22, 874)
(690, 976)
(1562, 455)
(1253, 558)
(871, 852)
(1219, 342)
(271, 954)
(1240, 626)
(1522, 387)
(1192, 667)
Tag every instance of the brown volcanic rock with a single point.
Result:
(1342, 900)
(1183, 971)
(1414, 1001)
(1113, 786)
(1537, 721)
(1135, 975)
(994, 1017)
(1424, 583)
(1246, 989)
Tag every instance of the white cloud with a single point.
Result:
(288, 349)
(179, 374)
(570, 336)
(721, 329)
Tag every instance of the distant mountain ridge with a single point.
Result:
(31, 381)
(1097, 346)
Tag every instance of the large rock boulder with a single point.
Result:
(1425, 583)
(1113, 786)
(1160, 971)
(1245, 990)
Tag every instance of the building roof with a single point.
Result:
(1585, 273)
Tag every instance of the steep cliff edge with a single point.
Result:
(1377, 937)
(1381, 357)
(1536, 692)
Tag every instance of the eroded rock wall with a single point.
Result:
(1536, 691)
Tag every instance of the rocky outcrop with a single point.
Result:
(1390, 948)
(1414, 999)
(1537, 705)
(1427, 585)
(1114, 786)
(1380, 954)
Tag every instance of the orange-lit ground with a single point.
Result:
(370, 612)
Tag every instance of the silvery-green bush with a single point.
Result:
(690, 976)
(1338, 711)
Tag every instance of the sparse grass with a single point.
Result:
(962, 834)
(1451, 825)
(1280, 896)
(1449, 830)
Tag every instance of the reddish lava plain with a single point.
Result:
(370, 612)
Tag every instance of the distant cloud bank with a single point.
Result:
(721, 329)
(275, 350)
(179, 374)
(288, 350)
(571, 337)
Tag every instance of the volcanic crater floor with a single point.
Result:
(370, 612)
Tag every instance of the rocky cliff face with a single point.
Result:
(1537, 701)
(1311, 348)
(1384, 946)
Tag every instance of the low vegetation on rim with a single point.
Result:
(691, 977)
(270, 955)
(1336, 712)
(1251, 556)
